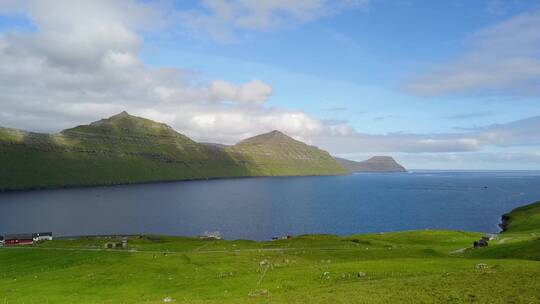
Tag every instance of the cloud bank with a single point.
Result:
(500, 59)
(83, 62)
(518, 133)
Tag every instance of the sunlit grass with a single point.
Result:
(413, 267)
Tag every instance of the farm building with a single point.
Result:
(123, 244)
(483, 242)
(42, 236)
(18, 239)
(210, 235)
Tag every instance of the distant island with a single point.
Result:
(126, 149)
(374, 164)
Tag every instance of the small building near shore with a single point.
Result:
(19, 239)
(42, 236)
(210, 235)
(117, 245)
(111, 245)
(483, 242)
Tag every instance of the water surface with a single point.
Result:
(260, 208)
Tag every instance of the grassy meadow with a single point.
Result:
(399, 267)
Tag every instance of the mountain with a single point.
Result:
(126, 149)
(275, 153)
(374, 164)
(216, 145)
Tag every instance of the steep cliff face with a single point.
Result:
(374, 164)
(128, 149)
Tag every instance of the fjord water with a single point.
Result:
(260, 208)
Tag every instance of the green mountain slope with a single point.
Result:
(127, 149)
(520, 238)
(275, 153)
(374, 164)
(522, 219)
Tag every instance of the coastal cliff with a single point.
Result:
(522, 219)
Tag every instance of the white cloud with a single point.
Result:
(517, 133)
(254, 92)
(502, 58)
(83, 63)
(517, 160)
(222, 19)
(389, 143)
(229, 125)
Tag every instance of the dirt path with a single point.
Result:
(503, 240)
(458, 251)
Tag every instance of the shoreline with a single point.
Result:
(283, 237)
(166, 181)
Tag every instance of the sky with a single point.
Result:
(435, 84)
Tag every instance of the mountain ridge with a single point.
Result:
(374, 164)
(125, 149)
(268, 151)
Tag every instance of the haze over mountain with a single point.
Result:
(128, 149)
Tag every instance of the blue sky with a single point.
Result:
(359, 60)
(437, 84)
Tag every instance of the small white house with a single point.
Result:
(211, 235)
(42, 236)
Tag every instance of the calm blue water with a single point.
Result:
(260, 208)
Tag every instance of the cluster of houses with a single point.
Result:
(24, 238)
(283, 237)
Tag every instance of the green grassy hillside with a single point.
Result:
(127, 149)
(275, 153)
(412, 267)
(521, 236)
(522, 219)
(401, 267)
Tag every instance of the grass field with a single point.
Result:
(402, 267)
